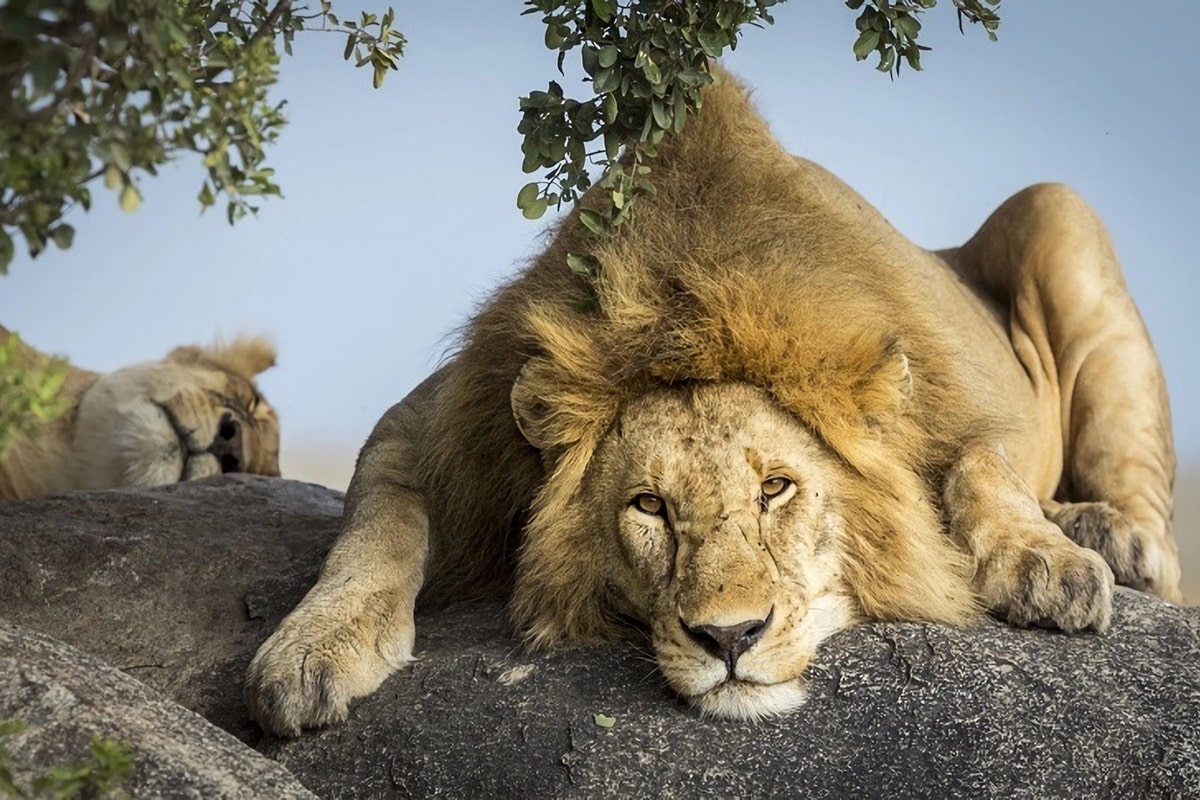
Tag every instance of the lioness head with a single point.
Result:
(193, 414)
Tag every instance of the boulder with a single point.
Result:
(65, 697)
(178, 586)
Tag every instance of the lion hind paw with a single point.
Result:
(1066, 587)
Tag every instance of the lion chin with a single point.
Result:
(737, 699)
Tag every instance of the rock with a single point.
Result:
(178, 586)
(66, 697)
(895, 710)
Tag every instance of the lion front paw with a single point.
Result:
(1137, 559)
(307, 673)
(1051, 584)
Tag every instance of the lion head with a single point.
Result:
(193, 414)
(726, 512)
(736, 536)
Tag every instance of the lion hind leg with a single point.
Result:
(1050, 254)
(1132, 554)
(1027, 571)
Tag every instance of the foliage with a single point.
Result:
(891, 27)
(109, 764)
(28, 392)
(113, 88)
(647, 61)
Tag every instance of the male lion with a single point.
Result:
(193, 414)
(777, 418)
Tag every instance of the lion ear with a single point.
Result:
(244, 356)
(535, 418)
(549, 414)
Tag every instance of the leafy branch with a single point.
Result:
(647, 62)
(891, 27)
(116, 88)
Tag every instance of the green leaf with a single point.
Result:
(63, 235)
(712, 42)
(603, 720)
(130, 198)
(593, 221)
(908, 25)
(527, 195)
(43, 69)
(206, 196)
(584, 264)
(351, 38)
(662, 114)
(606, 80)
(866, 43)
(608, 55)
(604, 9)
(535, 209)
(113, 176)
(7, 251)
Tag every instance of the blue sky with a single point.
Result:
(399, 210)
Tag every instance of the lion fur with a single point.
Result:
(734, 271)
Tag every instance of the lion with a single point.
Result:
(195, 413)
(770, 417)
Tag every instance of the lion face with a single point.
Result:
(724, 508)
(195, 414)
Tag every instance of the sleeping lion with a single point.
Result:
(779, 418)
(193, 414)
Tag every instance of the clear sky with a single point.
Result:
(399, 209)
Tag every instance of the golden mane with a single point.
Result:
(733, 272)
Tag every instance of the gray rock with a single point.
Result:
(66, 697)
(180, 585)
(177, 586)
(895, 710)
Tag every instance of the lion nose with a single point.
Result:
(227, 446)
(728, 642)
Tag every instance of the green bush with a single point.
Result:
(108, 766)
(29, 392)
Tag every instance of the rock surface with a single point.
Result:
(178, 586)
(66, 697)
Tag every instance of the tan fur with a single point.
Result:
(193, 414)
(939, 419)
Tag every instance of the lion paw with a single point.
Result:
(1059, 585)
(307, 673)
(1136, 559)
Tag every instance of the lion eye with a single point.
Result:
(648, 504)
(773, 487)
